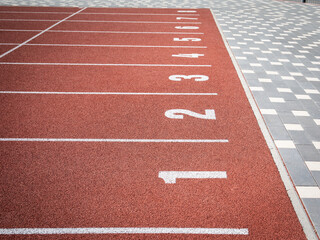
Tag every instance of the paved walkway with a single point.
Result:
(277, 45)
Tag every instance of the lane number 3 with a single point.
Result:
(178, 114)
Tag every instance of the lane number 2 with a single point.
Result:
(178, 114)
(197, 78)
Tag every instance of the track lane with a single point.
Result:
(15, 37)
(132, 27)
(11, 25)
(106, 79)
(116, 39)
(76, 172)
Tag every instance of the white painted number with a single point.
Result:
(186, 27)
(177, 114)
(197, 78)
(191, 55)
(187, 11)
(187, 39)
(186, 18)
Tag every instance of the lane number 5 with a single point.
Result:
(178, 114)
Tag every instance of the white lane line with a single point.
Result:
(19, 30)
(28, 20)
(126, 230)
(107, 93)
(139, 14)
(20, 45)
(95, 45)
(104, 64)
(132, 22)
(113, 140)
(116, 32)
(50, 20)
(171, 176)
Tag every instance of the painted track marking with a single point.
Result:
(93, 45)
(30, 39)
(107, 93)
(210, 231)
(79, 31)
(171, 176)
(113, 140)
(83, 13)
(105, 64)
(50, 20)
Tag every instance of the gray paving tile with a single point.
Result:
(300, 137)
(312, 206)
(288, 118)
(299, 172)
(279, 133)
(316, 176)
(272, 120)
(308, 152)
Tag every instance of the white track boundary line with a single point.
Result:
(107, 93)
(133, 22)
(85, 13)
(296, 202)
(92, 45)
(126, 230)
(20, 45)
(103, 64)
(113, 140)
(101, 21)
(115, 32)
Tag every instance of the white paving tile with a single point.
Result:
(276, 100)
(313, 166)
(289, 78)
(284, 144)
(312, 79)
(308, 192)
(287, 90)
(312, 91)
(301, 113)
(298, 96)
(268, 111)
(257, 89)
(316, 144)
(265, 80)
(293, 127)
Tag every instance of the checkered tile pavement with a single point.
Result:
(277, 45)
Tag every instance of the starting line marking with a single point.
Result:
(104, 64)
(171, 176)
(128, 230)
(107, 93)
(113, 140)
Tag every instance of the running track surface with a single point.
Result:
(101, 136)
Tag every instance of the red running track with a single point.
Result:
(88, 131)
